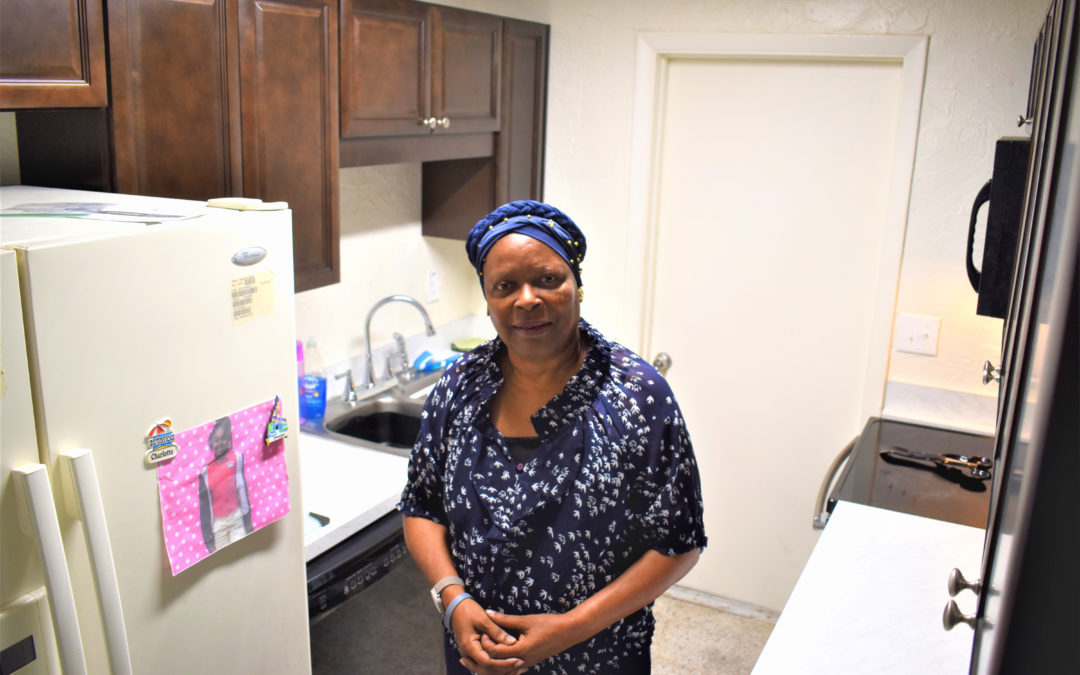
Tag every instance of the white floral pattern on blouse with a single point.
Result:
(613, 477)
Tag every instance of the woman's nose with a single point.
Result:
(527, 299)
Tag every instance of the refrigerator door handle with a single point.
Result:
(35, 495)
(78, 466)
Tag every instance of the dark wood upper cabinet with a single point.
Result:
(232, 98)
(409, 68)
(52, 54)
(457, 193)
(176, 104)
(466, 55)
(289, 108)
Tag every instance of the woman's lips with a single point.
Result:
(530, 328)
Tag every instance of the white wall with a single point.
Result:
(383, 253)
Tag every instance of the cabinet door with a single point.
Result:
(520, 148)
(466, 52)
(457, 193)
(52, 54)
(176, 110)
(385, 68)
(288, 80)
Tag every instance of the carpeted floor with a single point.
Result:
(392, 628)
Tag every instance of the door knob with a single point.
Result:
(953, 616)
(662, 362)
(991, 373)
(958, 583)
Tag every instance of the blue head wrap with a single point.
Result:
(540, 221)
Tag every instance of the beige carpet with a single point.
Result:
(692, 639)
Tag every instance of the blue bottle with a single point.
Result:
(312, 384)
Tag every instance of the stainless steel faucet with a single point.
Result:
(367, 329)
(348, 396)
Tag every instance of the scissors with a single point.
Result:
(974, 466)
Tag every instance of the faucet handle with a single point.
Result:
(349, 395)
(405, 371)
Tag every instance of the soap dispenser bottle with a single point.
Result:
(313, 384)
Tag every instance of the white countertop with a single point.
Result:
(351, 485)
(871, 597)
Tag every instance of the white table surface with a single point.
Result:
(351, 485)
(871, 597)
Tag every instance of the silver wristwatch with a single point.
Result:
(437, 589)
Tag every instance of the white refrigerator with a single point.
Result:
(112, 325)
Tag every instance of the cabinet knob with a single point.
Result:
(953, 616)
(443, 122)
(958, 583)
(1021, 120)
(991, 373)
(430, 122)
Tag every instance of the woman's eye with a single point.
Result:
(549, 279)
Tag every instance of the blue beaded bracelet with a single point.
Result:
(450, 610)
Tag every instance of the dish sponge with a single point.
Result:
(428, 362)
(467, 344)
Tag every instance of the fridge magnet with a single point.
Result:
(222, 485)
(278, 427)
(161, 440)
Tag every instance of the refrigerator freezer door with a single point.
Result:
(23, 606)
(132, 329)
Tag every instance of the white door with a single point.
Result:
(133, 329)
(773, 187)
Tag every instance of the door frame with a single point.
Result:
(654, 53)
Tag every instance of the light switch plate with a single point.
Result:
(432, 285)
(916, 334)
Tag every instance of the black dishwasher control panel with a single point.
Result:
(354, 564)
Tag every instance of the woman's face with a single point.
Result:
(532, 297)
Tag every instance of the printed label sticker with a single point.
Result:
(252, 296)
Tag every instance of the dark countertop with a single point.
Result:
(869, 479)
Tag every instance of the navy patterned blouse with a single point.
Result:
(613, 476)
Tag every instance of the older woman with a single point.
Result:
(553, 492)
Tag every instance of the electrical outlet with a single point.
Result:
(916, 334)
(432, 285)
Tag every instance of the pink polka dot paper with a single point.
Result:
(265, 474)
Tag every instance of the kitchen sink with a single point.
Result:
(387, 418)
